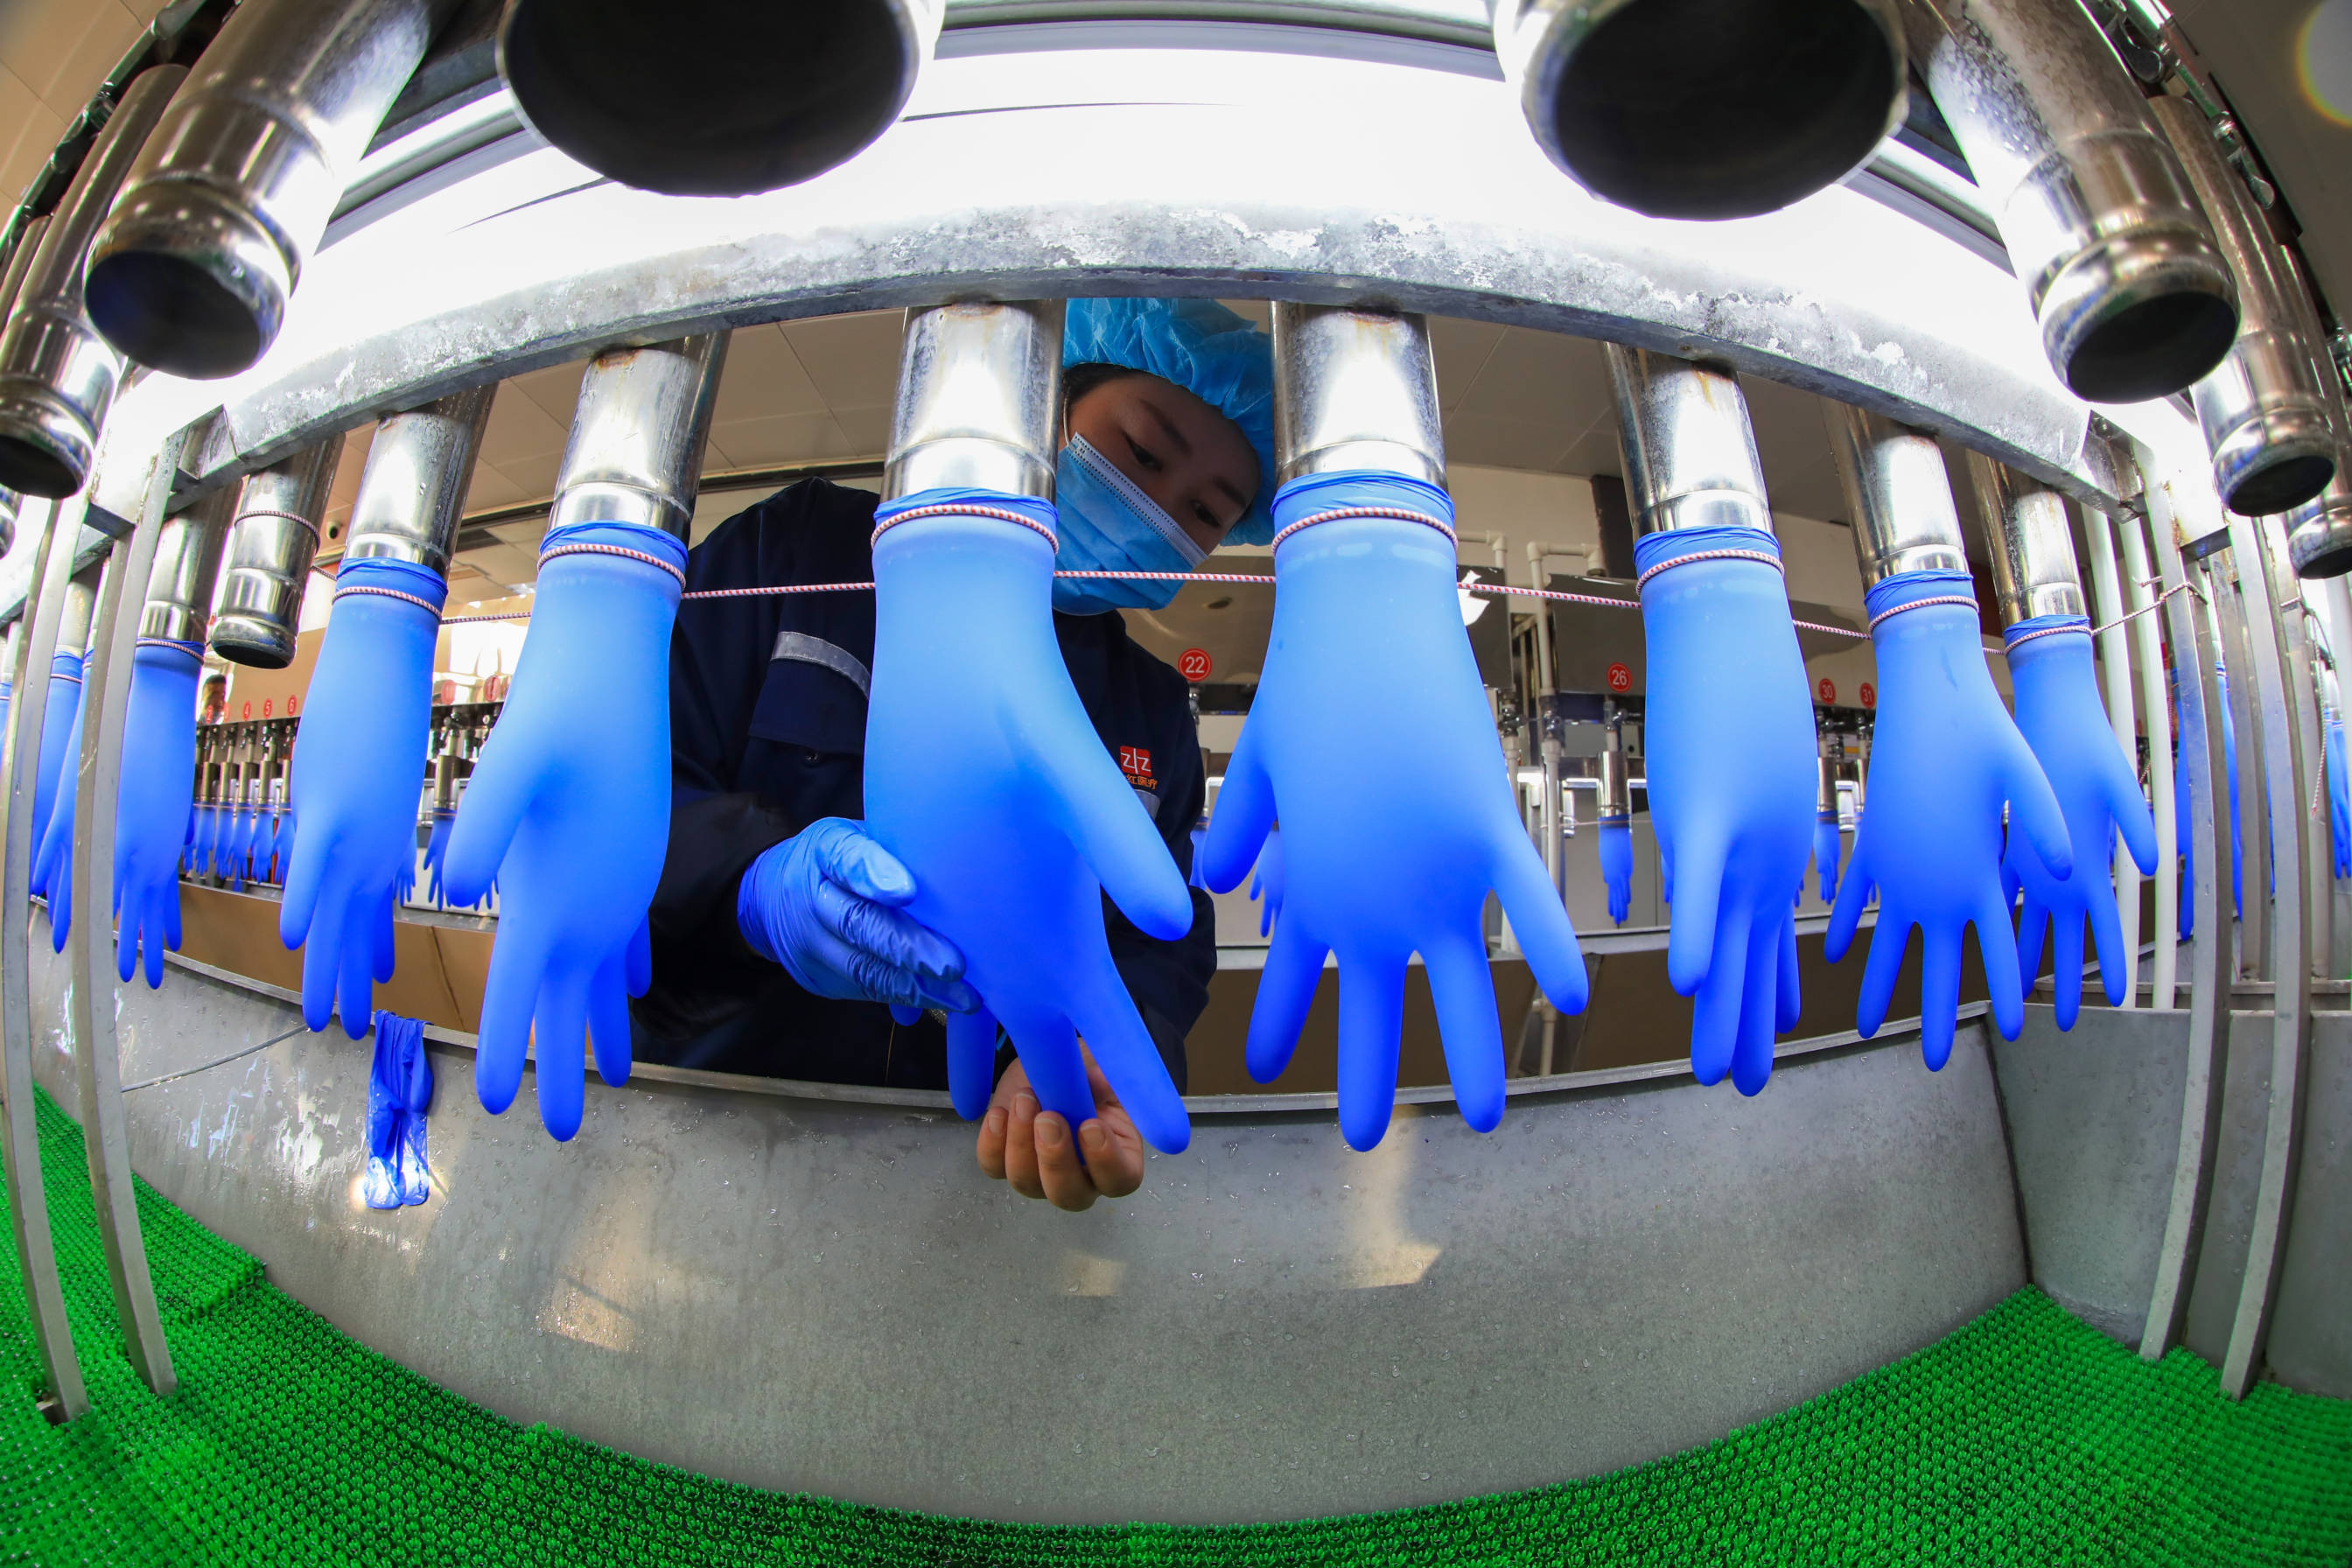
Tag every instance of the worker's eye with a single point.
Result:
(1207, 519)
(1142, 457)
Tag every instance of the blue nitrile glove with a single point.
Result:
(2339, 797)
(2060, 713)
(236, 844)
(151, 816)
(400, 1092)
(53, 864)
(829, 905)
(57, 720)
(1945, 756)
(569, 810)
(1616, 843)
(1265, 882)
(357, 759)
(1013, 848)
(1729, 743)
(1372, 740)
(2180, 806)
(437, 853)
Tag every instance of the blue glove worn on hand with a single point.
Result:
(1397, 813)
(358, 759)
(1728, 730)
(1616, 844)
(1945, 756)
(2339, 797)
(2060, 714)
(1265, 882)
(1006, 846)
(569, 810)
(151, 817)
(57, 720)
(829, 904)
(1827, 844)
(400, 1092)
(53, 864)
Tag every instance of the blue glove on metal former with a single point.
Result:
(1265, 881)
(57, 719)
(2180, 808)
(400, 1092)
(357, 761)
(569, 810)
(2339, 797)
(1732, 766)
(829, 904)
(2060, 714)
(151, 817)
(1397, 813)
(1947, 754)
(1616, 843)
(53, 865)
(436, 853)
(1012, 849)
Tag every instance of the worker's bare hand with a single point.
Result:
(1032, 1149)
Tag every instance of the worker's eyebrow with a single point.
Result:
(1168, 427)
(1241, 502)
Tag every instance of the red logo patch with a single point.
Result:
(1136, 764)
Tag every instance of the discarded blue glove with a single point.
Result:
(1265, 882)
(569, 810)
(1012, 849)
(1397, 813)
(1945, 756)
(2339, 797)
(829, 904)
(1616, 843)
(1827, 846)
(151, 817)
(63, 710)
(357, 764)
(2060, 716)
(400, 1093)
(1732, 768)
(53, 866)
(2181, 835)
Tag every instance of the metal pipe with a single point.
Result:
(1688, 450)
(2319, 531)
(12, 280)
(2147, 628)
(979, 400)
(1354, 389)
(2230, 634)
(1744, 111)
(714, 98)
(2262, 409)
(1898, 493)
(267, 559)
(415, 482)
(634, 453)
(2115, 667)
(2032, 546)
(58, 376)
(193, 270)
(187, 564)
(2295, 619)
(2132, 296)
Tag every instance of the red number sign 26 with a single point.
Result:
(1620, 679)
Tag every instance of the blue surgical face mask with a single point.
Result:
(1106, 524)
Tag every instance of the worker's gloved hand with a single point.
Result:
(1728, 734)
(53, 862)
(1265, 881)
(2339, 797)
(2062, 720)
(1371, 739)
(1616, 843)
(1013, 848)
(436, 853)
(357, 761)
(151, 818)
(569, 810)
(1946, 757)
(57, 720)
(829, 904)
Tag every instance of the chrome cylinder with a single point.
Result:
(2262, 409)
(1689, 451)
(11, 279)
(714, 98)
(415, 482)
(1616, 796)
(979, 399)
(268, 560)
(1825, 792)
(2132, 296)
(1354, 389)
(1740, 110)
(2319, 531)
(187, 567)
(1898, 493)
(58, 376)
(634, 455)
(2032, 544)
(11, 505)
(74, 617)
(192, 272)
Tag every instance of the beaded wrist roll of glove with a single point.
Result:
(1341, 513)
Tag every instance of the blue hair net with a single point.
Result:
(1219, 357)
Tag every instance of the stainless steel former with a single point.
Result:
(417, 470)
(1689, 451)
(1898, 493)
(193, 269)
(2132, 296)
(2031, 545)
(979, 399)
(1354, 388)
(634, 453)
(267, 562)
(2263, 410)
(187, 566)
(709, 97)
(1616, 796)
(1743, 112)
(2319, 531)
(58, 376)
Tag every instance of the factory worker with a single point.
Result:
(1168, 408)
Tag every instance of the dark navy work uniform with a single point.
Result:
(766, 698)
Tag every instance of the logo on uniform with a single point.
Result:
(1135, 761)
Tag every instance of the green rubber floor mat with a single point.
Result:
(2025, 1437)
